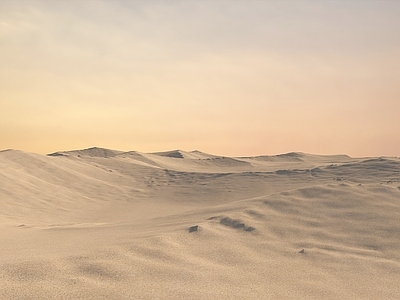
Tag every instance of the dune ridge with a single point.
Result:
(106, 224)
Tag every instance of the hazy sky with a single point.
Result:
(224, 77)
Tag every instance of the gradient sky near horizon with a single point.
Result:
(224, 77)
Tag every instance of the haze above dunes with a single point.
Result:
(106, 224)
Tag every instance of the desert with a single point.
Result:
(106, 224)
(199, 149)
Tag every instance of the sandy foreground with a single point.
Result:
(104, 224)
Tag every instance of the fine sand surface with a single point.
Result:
(104, 224)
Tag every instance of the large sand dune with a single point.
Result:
(105, 224)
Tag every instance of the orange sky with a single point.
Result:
(224, 77)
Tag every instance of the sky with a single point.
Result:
(231, 77)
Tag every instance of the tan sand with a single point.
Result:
(104, 224)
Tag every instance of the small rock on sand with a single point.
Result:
(193, 228)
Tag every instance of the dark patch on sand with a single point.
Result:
(236, 224)
(193, 228)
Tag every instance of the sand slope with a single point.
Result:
(105, 224)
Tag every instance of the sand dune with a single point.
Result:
(106, 224)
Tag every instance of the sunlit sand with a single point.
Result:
(105, 224)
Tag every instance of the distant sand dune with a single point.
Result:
(107, 224)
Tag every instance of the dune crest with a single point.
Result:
(92, 152)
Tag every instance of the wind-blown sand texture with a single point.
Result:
(104, 224)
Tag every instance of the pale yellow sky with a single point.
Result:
(224, 77)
